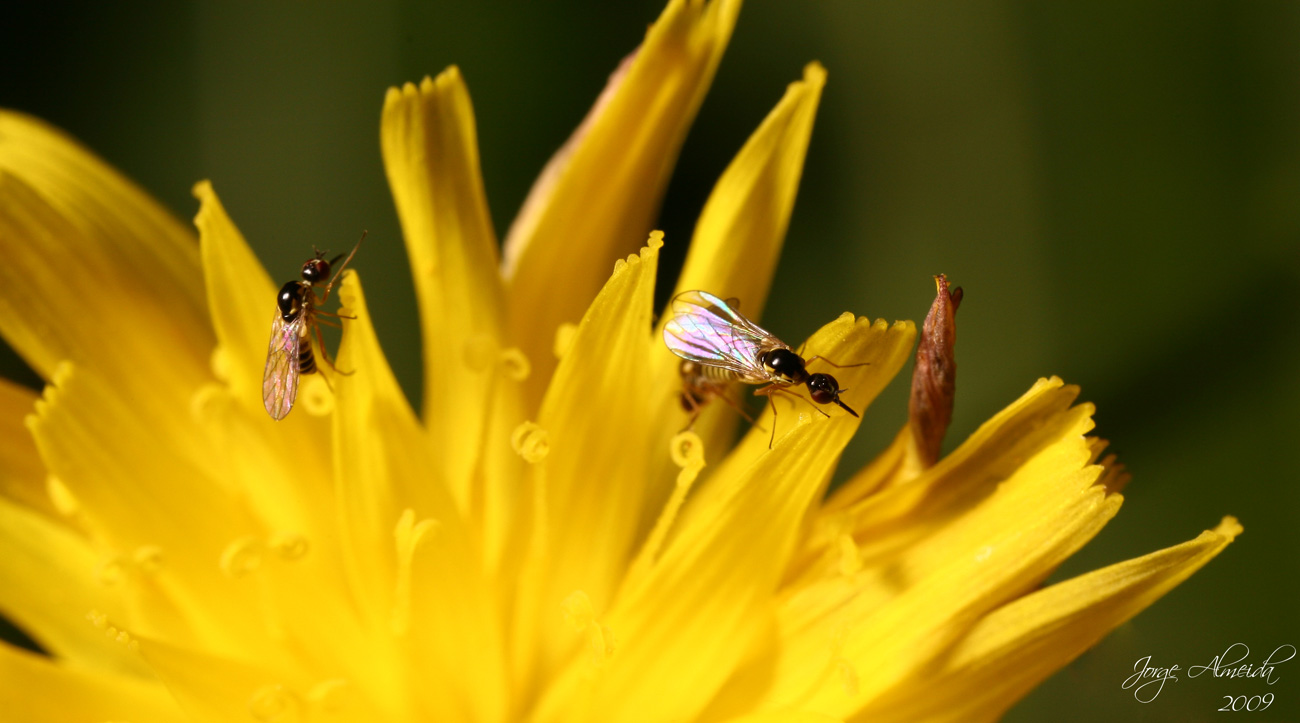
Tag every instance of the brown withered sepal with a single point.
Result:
(934, 379)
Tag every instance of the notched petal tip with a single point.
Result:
(934, 379)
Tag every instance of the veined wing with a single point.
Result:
(708, 330)
(280, 379)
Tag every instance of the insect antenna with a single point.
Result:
(844, 406)
(339, 270)
(772, 389)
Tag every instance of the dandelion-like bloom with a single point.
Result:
(540, 544)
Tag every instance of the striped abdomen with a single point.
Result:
(716, 375)
(306, 360)
(701, 382)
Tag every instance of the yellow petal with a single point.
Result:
(602, 202)
(161, 517)
(1031, 423)
(431, 155)
(741, 230)
(49, 588)
(216, 689)
(280, 482)
(241, 296)
(22, 476)
(684, 619)
(920, 582)
(35, 689)
(793, 716)
(734, 252)
(881, 348)
(94, 270)
(596, 403)
(405, 542)
(900, 462)
(1017, 646)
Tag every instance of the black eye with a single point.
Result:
(315, 270)
(823, 388)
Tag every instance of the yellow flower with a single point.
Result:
(539, 544)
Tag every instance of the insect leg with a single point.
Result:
(768, 391)
(694, 411)
(320, 341)
(837, 366)
(819, 410)
(736, 406)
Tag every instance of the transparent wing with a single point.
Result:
(280, 380)
(708, 330)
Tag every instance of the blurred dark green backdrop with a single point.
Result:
(1116, 185)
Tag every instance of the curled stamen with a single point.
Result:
(577, 610)
(409, 534)
(580, 616)
(514, 364)
(687, 449)
(241, 557)
(531, 442)
(207, 400)
(289, 545)
(148, 559)
(275, 704)
(330, 697)
(112, 569)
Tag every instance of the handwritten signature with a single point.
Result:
(1148, 680)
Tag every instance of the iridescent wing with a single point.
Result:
(280, 379)
(708, 330)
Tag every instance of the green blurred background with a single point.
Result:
(1115, 185)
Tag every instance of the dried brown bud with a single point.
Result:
(934, 379)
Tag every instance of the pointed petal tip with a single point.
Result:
(207, 198)
(1228, 527)
(814, 74)
(393, 95)
(202, 189)
(450, 74)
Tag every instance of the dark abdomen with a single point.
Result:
(306, 360)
